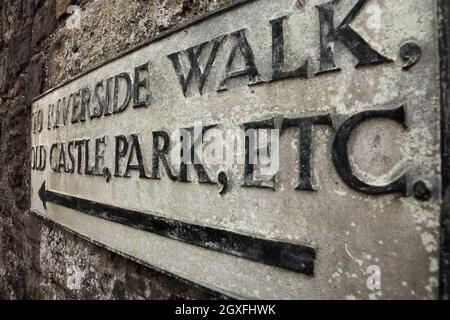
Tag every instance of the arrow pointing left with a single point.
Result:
(293, 257)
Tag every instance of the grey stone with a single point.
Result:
(44, 21)
(35, 80)
(19, 49)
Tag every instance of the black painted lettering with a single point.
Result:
(62, 159)
(79, 145)
(102, 97)
(75, 107)
(195, 70)
(160, 154)
(107, 101)
(190, 147)
(33, 158)
(37, 121)
(38, 158)
(140, 166)
(100, 145)
(85, 112)
(250, 68)
(50, 117)
(52, 157)
(63, 107)
(341, 158)
(305, 126)
(88, 170)
(141, 84)
(34, 122)
(71, 166)
(278, 54)
(121, 151)
(56, 116)
(42, 158)
(251, 151)
(347, 35)
(121, 78)
(40, 120)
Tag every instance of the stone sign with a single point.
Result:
(274, 149)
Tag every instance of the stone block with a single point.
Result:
(3, 72)
(44, 22)
(35, 77)
(19, 50)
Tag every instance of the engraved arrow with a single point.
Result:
(284, 255)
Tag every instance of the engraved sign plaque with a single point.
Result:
(273, 149)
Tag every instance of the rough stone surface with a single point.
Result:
(107, 30)
(38, 259)
(44, 22)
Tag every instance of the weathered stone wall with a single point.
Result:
(38, 50)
